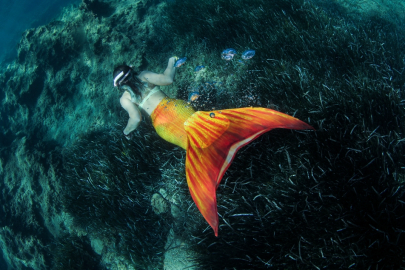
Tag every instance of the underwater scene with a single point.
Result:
(280, 143)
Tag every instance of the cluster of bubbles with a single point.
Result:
(206, 90)
(250, 96)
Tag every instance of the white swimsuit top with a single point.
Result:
(153, 91)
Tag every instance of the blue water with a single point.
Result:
(17, 16)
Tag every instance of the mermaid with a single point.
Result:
(211, 139)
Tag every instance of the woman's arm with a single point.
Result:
(160, 79)
(135, 115)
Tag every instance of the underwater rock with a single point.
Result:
(176, 212)
(178, 254)
(113, 262)
(159, 203)
(97, 245)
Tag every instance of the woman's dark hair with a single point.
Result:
(125, 75)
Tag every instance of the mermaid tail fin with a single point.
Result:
(213, 140)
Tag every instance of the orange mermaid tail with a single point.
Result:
(213, 140)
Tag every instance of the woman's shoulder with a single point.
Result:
(125, 100)
(144, 79)
(126, 96)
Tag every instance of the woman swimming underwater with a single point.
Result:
(211, 139)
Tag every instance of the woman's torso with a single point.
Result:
(150, 99)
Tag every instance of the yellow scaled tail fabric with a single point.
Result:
(168, 120)
(212, 140)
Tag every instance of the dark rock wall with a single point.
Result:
(58, 88)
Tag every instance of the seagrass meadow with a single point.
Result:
(75, 194)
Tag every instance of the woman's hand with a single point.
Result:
(172, 60)
(128, 136)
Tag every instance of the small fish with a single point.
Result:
(227, 57)
(180, 62)
(248, 54)
(229, 51)
(198, 68)
(193, 96)
(228, 54)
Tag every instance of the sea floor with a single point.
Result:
(76, 194)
